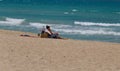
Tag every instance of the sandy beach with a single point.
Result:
(19, 53)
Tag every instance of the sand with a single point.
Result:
(18, 53)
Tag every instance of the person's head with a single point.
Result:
(47, 27)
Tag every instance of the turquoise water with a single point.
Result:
(81, 20)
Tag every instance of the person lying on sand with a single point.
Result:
(26, 35)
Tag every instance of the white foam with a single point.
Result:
(117, 12)
(12, 21)
(61, 26)
(66, 12)
(88, 32)
(38, 25)
(15, 20)
(97, 24)
(74, 10)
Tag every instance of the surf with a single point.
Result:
(87, 32)
(12, 21)
(97, 24)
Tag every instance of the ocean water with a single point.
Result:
(97, 20)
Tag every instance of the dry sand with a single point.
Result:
(19, 53)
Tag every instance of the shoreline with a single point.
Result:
(18, 53)
(35, 34)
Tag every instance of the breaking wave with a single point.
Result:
(12, 21)
(40, 25)
(97, 24)
(88, 32)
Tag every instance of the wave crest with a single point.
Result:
(40, 25)
(88, 32)
(12, 21)
(97, 24)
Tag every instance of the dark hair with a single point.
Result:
(47, 26)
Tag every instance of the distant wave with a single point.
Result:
(66, 12)
(97, 24)
(71, 12)
(117, 12)
(40, 25)
(88, 32)
(74, 10)
(12, 21)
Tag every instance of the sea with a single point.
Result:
(94, 20)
